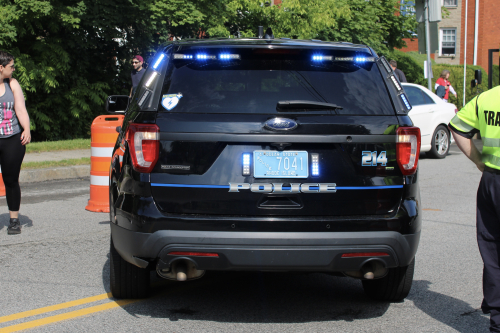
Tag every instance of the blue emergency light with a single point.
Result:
(315, 164)
(157, 63)
(246, 165)
(227, 56)
(319, 58)
(405, 101)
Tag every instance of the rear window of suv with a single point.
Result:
(254, 80)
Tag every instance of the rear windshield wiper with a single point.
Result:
(297, 105)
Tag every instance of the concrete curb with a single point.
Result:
(40, 175)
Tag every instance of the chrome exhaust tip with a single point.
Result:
(179, 270)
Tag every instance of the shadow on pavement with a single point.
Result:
(450, 311)
(5, 219)
(258, 297)
(105, 274)
(265, 297)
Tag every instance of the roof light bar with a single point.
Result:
(358, 59)
(157, 63)
(227, 56)
(396, 83)
(183, 56)
(203, 56)
(344, 58)
(405, 101)
(364, 59)
(321, 58)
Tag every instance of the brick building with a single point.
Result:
(451, 30)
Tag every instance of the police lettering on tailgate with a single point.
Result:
(280, 188)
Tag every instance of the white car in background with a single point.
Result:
(432, 115)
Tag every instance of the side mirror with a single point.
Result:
(478, 76)
(117, 103)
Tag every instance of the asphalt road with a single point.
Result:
(62, 256)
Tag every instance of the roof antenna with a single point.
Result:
(269, 34)
(261, 31)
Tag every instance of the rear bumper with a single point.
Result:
(294, 251)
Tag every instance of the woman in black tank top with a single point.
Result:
(14, 135)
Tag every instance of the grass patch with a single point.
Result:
(55, 164)
(38, 147)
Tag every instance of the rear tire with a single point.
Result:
(440, 144)
(127, 280)
(394, 287)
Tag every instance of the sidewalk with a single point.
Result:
(39, 175)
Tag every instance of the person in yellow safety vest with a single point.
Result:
(482, 114)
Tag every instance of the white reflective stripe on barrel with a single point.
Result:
(0, 169)
(120, 158)
(101, 151)
(99, 180)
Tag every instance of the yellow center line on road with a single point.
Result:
(68, 315)
(54, 307)
(81, 312)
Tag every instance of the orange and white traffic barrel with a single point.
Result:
(103, 138)
(2, 185)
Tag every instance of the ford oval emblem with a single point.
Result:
(281, 124)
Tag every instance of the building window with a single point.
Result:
(407, 7)
(450, 3)
(448, 41)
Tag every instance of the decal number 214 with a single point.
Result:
(370, 158)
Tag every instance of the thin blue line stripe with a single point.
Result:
(368, 187)
(384, 187)
(192, 186)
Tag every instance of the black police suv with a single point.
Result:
(265, 155)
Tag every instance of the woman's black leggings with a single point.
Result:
(11, 157)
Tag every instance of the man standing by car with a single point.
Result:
(399, 73)
(137, 73)
(482, 114)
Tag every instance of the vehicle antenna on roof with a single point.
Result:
(261, 31)
(269, 34)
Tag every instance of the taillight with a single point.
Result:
(144, 144)
(407, 149)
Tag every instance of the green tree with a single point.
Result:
(71, 54)
(292, 18)
(376, 23)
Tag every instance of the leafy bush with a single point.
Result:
(413, 71)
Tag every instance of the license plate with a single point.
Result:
(280, 164)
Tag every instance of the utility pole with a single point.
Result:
(428, 45)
